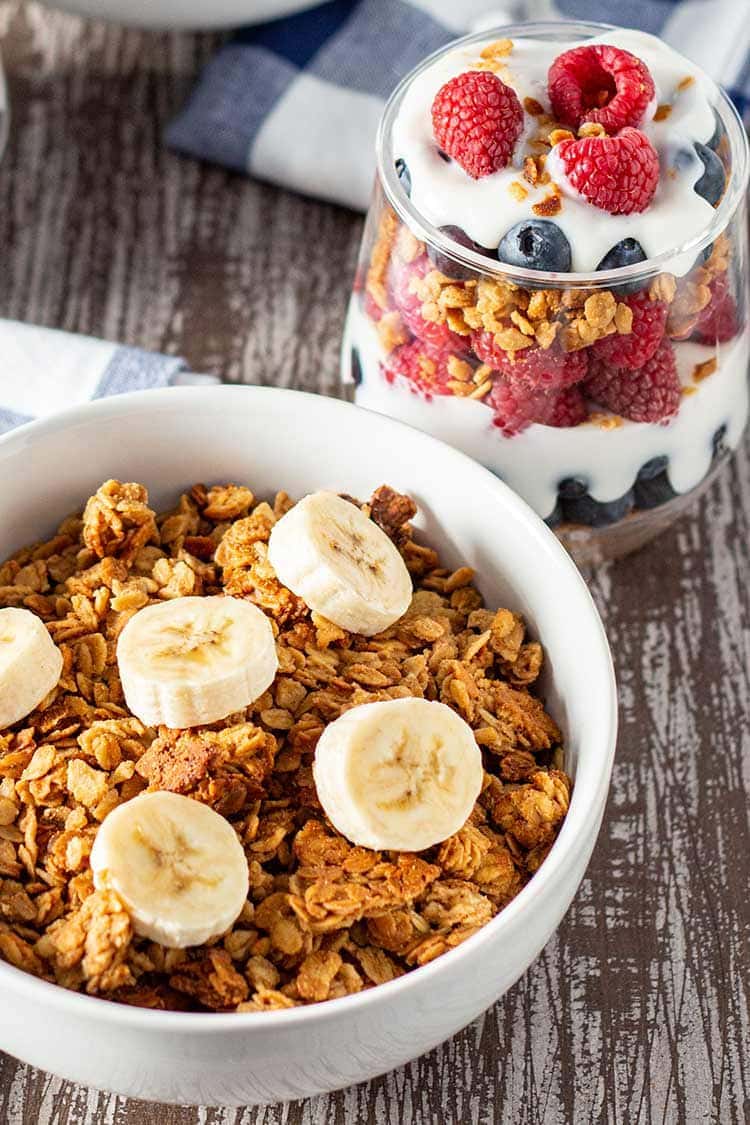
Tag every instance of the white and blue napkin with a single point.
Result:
(297, 101)
(43, 371)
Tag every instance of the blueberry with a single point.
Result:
(719, 443)
(554, 519)
(704, 255)
(445, 264)
(651, 491)
(461, 237)
(536, 244)
(624, 253)
(572, 488)
(652, 468)
(355, 367)
(718, 134)
(404, 175)
(711, 184)
(596, 513)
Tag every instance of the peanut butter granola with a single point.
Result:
(323, 918)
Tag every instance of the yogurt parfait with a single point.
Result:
(553, 273)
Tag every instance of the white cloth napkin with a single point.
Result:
(43, 371)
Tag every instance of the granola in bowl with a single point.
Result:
(324, 917)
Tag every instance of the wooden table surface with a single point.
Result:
(638, 1009)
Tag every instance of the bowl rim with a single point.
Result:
(570, 841)
(734, 193)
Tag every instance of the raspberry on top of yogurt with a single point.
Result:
(602, 84)
(563, 156)
(477, 120)
(617, 174)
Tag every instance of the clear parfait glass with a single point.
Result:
(435, 320)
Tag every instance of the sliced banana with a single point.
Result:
(190, 661)
(342, 565)
(30, 664)
(177, 865)
(400, 775)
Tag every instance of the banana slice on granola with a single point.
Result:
(342, 565)
(399, 775)
(30, 664)
(177, 865)
(190, 661)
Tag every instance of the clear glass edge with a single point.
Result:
(402, 205)
(4, 110)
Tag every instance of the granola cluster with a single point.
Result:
(323, 918)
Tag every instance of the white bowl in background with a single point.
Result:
(195, 14)
(276, 439)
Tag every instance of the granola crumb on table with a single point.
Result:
(324, 918)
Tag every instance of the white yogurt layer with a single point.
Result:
(535, 461)
(445, 195)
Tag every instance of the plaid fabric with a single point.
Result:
(44, 371)
(297, 101)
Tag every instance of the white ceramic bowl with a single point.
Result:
(282, 439)
(183, 13)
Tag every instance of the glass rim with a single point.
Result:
(480, 263)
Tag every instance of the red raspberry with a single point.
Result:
(616, 174)
(424, 373)
(545, 369)
(599, 83)
(649, 394)
(402, 276)
(570, 409)
(488, 351)
(372, 308)
(718, 322)
(437, 338)
(516, 407)
(636, 347)
(477, 120)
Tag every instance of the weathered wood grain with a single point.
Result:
(638, 1010)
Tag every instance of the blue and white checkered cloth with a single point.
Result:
(297, 101)
(43, 371)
